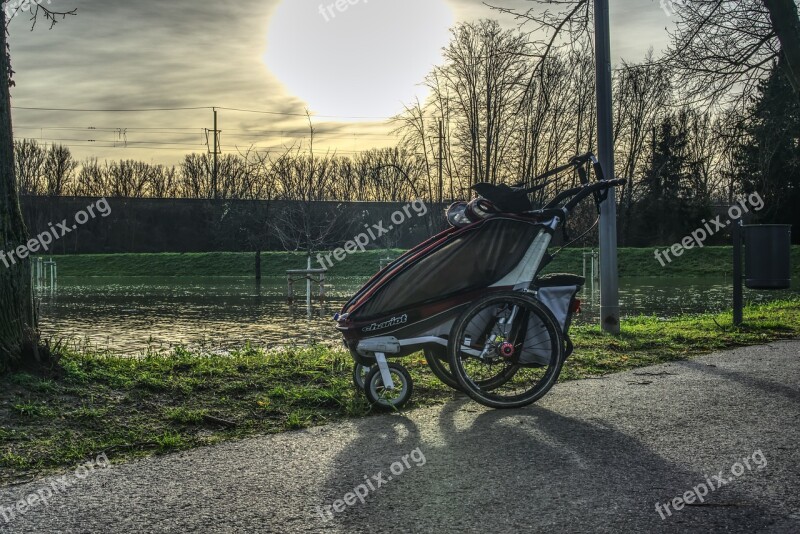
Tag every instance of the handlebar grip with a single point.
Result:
(598, 170)
(585, 158)
(583, 175)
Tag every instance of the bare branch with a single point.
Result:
(48, 14)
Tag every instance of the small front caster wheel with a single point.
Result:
(389, 399)
(360, 373)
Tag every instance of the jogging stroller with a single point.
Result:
(472, 300)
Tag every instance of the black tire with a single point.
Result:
(534, 364)
(360, 373)
(383, 398)
(437, 361)
(440, 366)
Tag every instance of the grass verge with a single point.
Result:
(130, 407)
(707, 261)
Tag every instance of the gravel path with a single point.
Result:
(592, 456)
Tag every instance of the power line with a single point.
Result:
(117, 141)
(97, 145)
(248, 133)
(108, 110)
(103, 128)
(303, 114)
(143, 110)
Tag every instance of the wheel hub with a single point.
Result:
(506, 349)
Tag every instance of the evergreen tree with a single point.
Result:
(670, 206)
(768, 158)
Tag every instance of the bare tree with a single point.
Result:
(416, 138)
(307, 223)
(196, 175)
(58, 170)
(19, 338)
(484, 73)
(91, 181)
(29, 159)
(163, 181)
(720, 48)
(128, 178)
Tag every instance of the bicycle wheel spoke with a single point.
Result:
(510, 350)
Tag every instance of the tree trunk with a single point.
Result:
(786, 24)
(17, 316)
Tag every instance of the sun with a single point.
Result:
(356, 58)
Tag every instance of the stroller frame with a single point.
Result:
(374, 339)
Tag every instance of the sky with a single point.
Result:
(263, 63)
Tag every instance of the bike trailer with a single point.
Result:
(418, 296)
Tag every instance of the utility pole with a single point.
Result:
(441, 160)
(216, 154)
(609, 275)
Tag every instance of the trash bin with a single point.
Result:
(767, 256)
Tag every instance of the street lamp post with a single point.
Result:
(609, 277)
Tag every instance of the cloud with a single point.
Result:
(182, 53)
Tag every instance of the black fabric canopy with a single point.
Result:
(470, 260)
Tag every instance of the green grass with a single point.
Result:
(708, 261)
(651, 340)
(130, 407)
(696, 262)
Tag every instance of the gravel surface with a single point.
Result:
(591, 456)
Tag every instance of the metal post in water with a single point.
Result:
(609, 277)
(308, 288)
(584, 265)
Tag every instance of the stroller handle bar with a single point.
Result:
(574, 162)
(514, 199)
(577, 194)
(578, 161)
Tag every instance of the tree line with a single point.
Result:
(499, 113)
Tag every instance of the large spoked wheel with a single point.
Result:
(389, 399)
(506, 350)
(437, 361)
(439, 365)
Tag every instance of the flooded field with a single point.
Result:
(134, 315)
